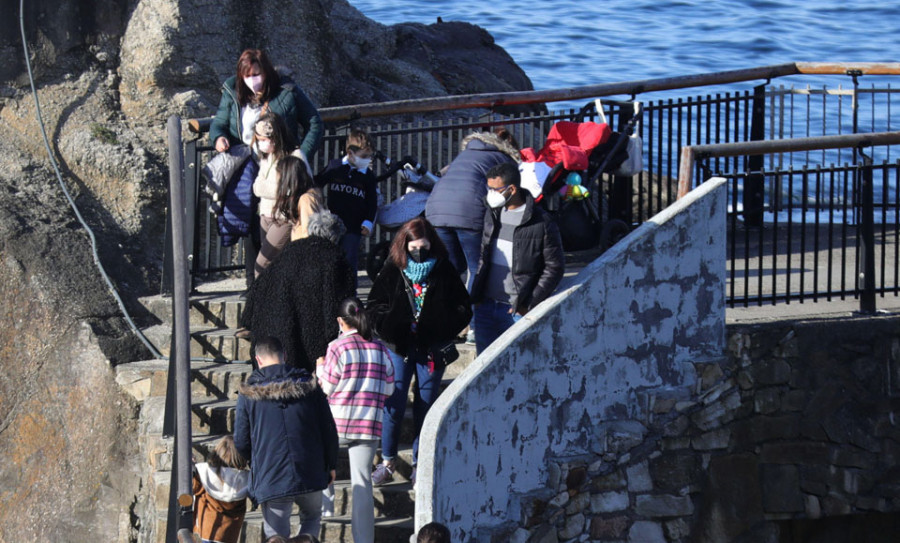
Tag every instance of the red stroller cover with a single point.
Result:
(570, 143)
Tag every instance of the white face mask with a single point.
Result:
(264, 146)
(496, 199)
(254, 82)
(361, 164)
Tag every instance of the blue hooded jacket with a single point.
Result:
(283, 426)
(457, 200)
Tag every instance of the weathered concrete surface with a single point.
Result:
(626, 332)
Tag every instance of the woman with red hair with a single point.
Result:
(255, 89)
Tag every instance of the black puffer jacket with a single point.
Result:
(445, 313)
(296, 299)
(538, 261)
(284, 427)
(457, 200)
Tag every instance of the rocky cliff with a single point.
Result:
(108, 73)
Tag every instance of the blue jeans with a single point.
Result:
(464, 247)
(350, 246)
(492, 318)
(428, 386)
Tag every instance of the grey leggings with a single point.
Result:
(277, 514)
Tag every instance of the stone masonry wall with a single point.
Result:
(796, 424)
(547, 435)
(779, 429)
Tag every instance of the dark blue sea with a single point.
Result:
(567, 43)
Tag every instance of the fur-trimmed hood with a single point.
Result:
(489, 138)
(279, 384)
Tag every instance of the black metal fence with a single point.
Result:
(809, 245)
(667, 125)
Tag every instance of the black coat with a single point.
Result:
(538, 260)
(445, 313)
(283, 426)
(296, 299)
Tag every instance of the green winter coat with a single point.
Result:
(290, 103)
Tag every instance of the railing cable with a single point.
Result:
(153, 350)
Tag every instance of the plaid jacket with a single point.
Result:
(358, 377)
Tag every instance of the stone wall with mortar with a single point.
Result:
(792, 437)
(546, 436)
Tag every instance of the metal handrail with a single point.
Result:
(692, 153)
(866, 267)
(181, 491)
(633, 88)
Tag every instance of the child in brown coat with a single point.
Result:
(220, 494)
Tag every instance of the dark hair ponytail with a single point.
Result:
(354, 314)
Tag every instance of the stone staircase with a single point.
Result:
(219, 366)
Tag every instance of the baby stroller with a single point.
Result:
(563, 175)
(416, 183)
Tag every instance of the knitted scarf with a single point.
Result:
(417, 272)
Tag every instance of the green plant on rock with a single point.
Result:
(103, 134)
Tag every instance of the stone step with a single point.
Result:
(211, 416)
(160, 451)
(208, 343)
(394, 500)
(333, 529)
(148, 378)
(220, 309)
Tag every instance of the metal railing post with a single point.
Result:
(180, 492)
(867, 239)
(754, 185)
(620, 193)
(191, 199)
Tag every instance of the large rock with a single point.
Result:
(109, 73)
(70, 462)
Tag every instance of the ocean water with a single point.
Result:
(567, 43)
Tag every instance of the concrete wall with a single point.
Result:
(574, 379)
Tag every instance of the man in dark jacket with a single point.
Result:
(522, 258)
(284, 427)
(456, 204)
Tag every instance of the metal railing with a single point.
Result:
(668, 124)
(177, 417)
(821, 245)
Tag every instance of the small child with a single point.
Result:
(352, 193)
(357, 375)
(220, 494)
